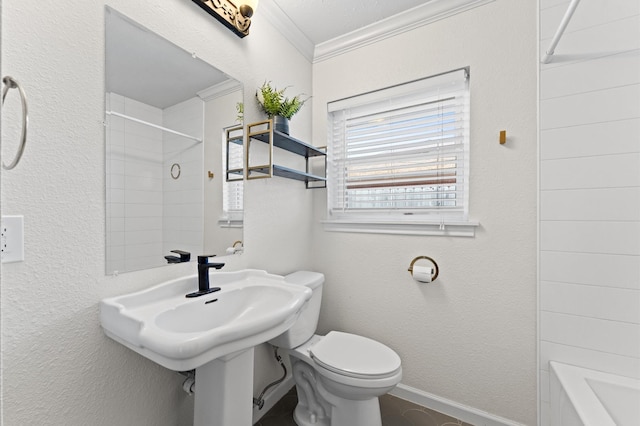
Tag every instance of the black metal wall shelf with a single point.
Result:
(291, 144)
(263, 131)
(289, 173)
(235, 136)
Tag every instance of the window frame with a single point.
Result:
(409, 221)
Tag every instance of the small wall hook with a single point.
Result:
(503, 137)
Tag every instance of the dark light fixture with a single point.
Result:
(236, 18)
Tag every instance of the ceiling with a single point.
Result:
(321, 29)
(323, 20)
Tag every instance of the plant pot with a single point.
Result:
(281, 124)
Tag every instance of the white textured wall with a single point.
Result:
(57, 366)
(590, 190)
(470, 336)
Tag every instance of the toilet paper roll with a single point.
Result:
(422, 274)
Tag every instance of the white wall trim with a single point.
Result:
(451, 408)
(218, 90)
(447, 228)
(281, 21)
(427, 13)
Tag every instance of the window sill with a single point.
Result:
(446, 229)
(229, 223)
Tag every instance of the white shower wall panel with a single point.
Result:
(585, 357)
(589, 289)
(614, 104)
(601, 302)
(587, 15)
(591, 237)
(584, 268)
(597, 41)
(598, 74)
(578, 204)
(587, 140)
(616, 337)
(591, 172)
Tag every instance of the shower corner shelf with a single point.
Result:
(263, 131)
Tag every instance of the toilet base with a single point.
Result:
(352, 413)
(303, 417)
(319, 407)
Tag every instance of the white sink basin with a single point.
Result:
(182, 333)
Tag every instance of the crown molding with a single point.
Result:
(408, 20)
(281, 21)
(220, 89)
(432, 11)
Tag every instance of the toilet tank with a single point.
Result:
(306, 324)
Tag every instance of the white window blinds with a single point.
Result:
(233, 190)
(402, 152)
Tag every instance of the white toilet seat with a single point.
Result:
(355, 356)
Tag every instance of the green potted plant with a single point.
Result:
(240, 111)
(278, 107)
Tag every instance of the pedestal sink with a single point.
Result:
(214, 334)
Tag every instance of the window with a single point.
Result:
(399, 157)
(232, 190)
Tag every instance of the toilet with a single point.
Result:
(340, 376)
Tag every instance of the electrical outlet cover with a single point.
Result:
(12, 239)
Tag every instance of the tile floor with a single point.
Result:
(395, 412)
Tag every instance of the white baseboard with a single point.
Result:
(450, 408)
(274, 395)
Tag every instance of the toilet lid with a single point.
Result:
(355, 356)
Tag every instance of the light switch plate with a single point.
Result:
(12, 244)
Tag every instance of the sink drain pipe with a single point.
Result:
(189, 384)
(259, 401)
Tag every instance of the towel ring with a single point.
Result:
(435, 265)
(11, 83)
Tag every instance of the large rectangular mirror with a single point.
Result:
(167, 115)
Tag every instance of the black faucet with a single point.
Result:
(185, 256)
(203, 276)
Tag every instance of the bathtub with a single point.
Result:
(583, 397)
